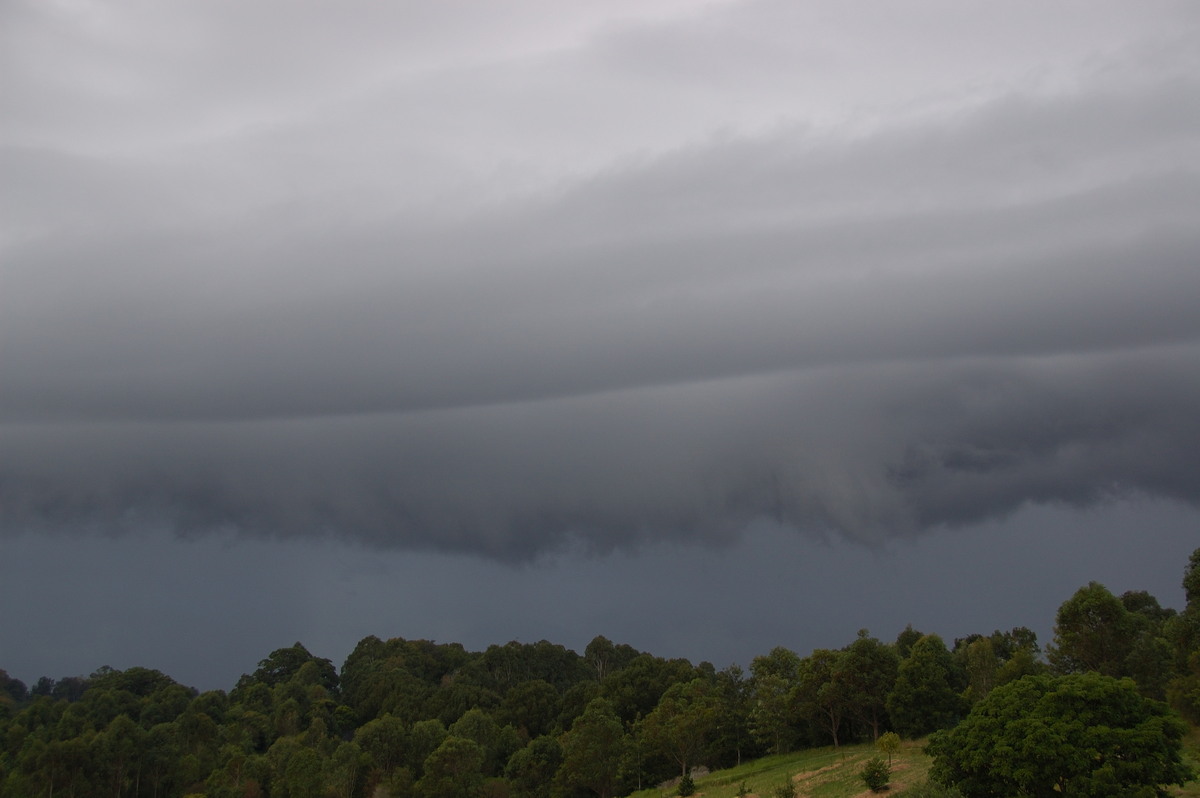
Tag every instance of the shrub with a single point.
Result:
(686, 785)
(786, 790)
(742, 790)
(876, 774)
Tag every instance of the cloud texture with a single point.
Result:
(490, 282)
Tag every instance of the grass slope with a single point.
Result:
(816, 772)
(833, 773)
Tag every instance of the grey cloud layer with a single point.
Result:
(921, 323)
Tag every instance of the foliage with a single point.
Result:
(1081, 735)
(772, 714)
(1191, 580)
(888, 743)
(594, 750)
(785, 790)
(1092, 632)
(683, 721)
(687, 786)
(821, 698)
(876, 774)
(926, 694)
(865, 673)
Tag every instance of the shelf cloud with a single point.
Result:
(478, 288)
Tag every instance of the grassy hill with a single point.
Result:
(833, 773)
(816, 772)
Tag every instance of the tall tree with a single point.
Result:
(926, 694)
(982, 668)
(594, 751)
(733, 717)
(683, 722)
(773, 679)
(531, 769)
(866, 671)
(1191, 581)
(819, 696)
(1092, 632)
(453, 770)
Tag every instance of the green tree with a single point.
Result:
(635, 690)
(531, 769)
(453, 770)
(594, 751)
(496, 743)
(683, 722)
(1077, 735)
(1092, 632)
(866, 671)
(385, 741)
(285, 663)
(1191, 581)
(926, 694)
(982, 668)
(345, 770)
(119, 749)
(733, 717)
(1182, 633)
(819, 696)
(905, 641)
(772, 712)
(889, 743)
(605, 657)
(530, 707)
(424, 738)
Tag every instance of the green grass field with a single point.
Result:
(817, 772)
(833, 773)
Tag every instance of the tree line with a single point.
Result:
(419, 719)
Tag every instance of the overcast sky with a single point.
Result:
(708, 327)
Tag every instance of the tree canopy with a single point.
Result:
(1078, 735)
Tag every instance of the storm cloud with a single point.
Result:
(507, 283)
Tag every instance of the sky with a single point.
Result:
(705, 326)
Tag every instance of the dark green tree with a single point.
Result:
(531, 769)
(682, 724)
(1079, 735)
(926, 694)
(385, 741)
(594, 751)
(866, 672)
(1092, 632)
(733, 718)
(982, 668)
(905, 641)
(819, 696)
(282, 664)
(635, 690)
(773, 679)
(453, 770)
(1191, 581)
(531, 707)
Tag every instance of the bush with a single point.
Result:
(742, 790)
(1106, 737)
(786, 790)
(686, 785)
(876, 774)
